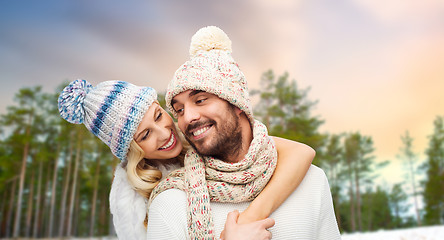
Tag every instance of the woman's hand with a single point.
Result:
(256, 230)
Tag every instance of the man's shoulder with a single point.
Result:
(168, 202)
(170, 195)
(312, 188)
(315, 172)
(167, 216)
(316, 169)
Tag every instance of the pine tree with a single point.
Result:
(286, 110)
(398, 199)
(359, 170)
(49, 148)
(434, 182)
(408, 156)
(77, 162)
(333, 165)
(376, 209)
(23, 120)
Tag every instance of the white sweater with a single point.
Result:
(307, 214)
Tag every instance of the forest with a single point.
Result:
(55, 177)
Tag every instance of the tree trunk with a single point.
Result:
(352, 210)
(76, 218)
(37, 208)
(18, 212)
(412, 173)
(66, 186)
(4, 216)
(45, 208)
(103, 216)
(94, 200)
(351, 196)
(30, 204)
(53, 193)
(358, 200)
(74, 183)
(11, 207)
(370, 213)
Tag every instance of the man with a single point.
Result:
(209, 97)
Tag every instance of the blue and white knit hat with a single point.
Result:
(212, 69)
(112, 110)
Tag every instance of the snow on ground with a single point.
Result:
(419, 233)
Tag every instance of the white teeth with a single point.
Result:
(200, 131)
(169, 142)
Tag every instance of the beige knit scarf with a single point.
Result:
(206, 179)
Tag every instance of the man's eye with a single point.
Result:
(179, 110)
(200, 100)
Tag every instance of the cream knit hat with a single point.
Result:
(211, 69)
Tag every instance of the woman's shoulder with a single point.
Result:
(166, 169)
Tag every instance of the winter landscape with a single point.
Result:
(419, 233)
(360, 81)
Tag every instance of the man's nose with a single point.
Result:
(191, 114)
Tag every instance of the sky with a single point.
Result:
(376, 67)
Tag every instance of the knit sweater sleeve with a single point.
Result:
(328, 227)
(167, 216)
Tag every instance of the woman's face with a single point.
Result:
(157, 135)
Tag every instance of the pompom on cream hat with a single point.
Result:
(212, 69)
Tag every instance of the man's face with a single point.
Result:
(209, 123)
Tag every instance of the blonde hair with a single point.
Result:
(141, 175)
(144, 173)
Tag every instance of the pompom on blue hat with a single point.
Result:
(71, 101)
(112, 110)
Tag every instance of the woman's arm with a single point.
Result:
(294, 160)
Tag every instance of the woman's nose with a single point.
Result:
(163, 132)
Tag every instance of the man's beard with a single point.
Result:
(226, 143)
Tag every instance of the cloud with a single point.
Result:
(396, 11)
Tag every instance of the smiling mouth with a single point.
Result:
(170, 144)
(199, 133)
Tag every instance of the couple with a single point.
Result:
(228, 166)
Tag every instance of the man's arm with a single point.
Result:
(294, 160)
(167, 219)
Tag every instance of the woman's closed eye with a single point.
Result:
(145, 136)
(159, 116)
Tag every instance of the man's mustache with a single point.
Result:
(196, 125)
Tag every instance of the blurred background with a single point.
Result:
(360, 81)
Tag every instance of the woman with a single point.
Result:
(144, 137)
